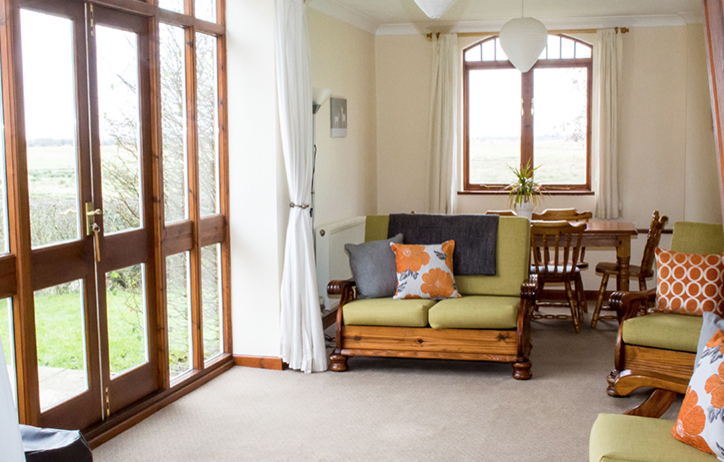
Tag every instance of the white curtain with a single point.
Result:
(607, 71)
(302, 337)
(443, 127)
(10, 443)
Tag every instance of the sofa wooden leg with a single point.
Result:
(338, 362)
(611, 381)
(521, 370)
(655, 405)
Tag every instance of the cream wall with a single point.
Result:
(666, 143)
(258, 196)
(343, 60)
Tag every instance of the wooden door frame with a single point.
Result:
(714, 35)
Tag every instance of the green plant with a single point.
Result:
(524, 189)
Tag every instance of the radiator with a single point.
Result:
(332, 260)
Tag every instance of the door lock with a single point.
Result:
(90, 215)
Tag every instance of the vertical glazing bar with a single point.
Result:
(194, 205)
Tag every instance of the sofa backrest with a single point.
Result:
(513, 253)
(691, 237)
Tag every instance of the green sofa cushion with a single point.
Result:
(512, 256)
(628, 438)
(669, 331)
(690, 237)
(376, 227)
(475, 312)
(387, 312)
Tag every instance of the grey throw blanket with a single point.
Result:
(475, 236)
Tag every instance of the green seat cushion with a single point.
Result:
(513, 253)
(475, 312)
(628, 438)
(669, 331)
(387, 312)
(690, 237)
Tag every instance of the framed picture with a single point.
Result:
(338, 107)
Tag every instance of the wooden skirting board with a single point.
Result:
(259, 362)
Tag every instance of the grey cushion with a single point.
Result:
(711, 324)
(373, 267)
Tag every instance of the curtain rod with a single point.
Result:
(623, 30)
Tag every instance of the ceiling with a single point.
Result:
(396, 16)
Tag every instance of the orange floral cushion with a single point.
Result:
(701, 418)
(689, 283)
(425, 271)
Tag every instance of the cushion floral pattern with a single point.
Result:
(701, 418)
(425, 271)
(689, 283)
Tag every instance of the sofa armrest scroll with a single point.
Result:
(629, 304)
(338, 286)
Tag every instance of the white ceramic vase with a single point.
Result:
(525, 209)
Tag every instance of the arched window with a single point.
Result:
(542, 117)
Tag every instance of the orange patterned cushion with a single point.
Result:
(689, 283)
(701, 418)
(425, 271)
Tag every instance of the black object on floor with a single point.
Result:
(53, 445)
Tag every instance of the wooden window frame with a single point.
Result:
(188, 235)
(526, 140)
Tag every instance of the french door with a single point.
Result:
(91, 209)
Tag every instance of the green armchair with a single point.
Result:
(658, 349)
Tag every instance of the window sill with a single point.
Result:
(545, 193)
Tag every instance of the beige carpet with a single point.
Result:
(393, 410)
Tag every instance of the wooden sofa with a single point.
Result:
(658, 349)
(490, 322)
(625, 438)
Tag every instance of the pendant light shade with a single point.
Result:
(319, 97)
(523, 40)
(435, 8)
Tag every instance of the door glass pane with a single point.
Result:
(178, 309)
(561, 125)
(173, 114)
(206, 10)
(494, 125)
(8, 340)
(211, 300)
(173, 5)
(4, 244)
(127, 326)
(60, 336)
(207, 115)
(50, 127)
(117, 53)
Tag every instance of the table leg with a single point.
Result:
(623, 257)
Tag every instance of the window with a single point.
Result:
(541, 118)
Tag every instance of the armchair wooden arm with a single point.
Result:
(629, 304)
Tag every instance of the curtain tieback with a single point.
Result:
(302, 206)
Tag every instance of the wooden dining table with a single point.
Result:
(613, 234)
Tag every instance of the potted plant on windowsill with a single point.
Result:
(524, 191)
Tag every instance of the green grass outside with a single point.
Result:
(60, 327)
(5, 334)
(561, 162)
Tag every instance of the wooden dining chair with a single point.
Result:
(646, 270)
(502, 213)
(554, 246)
(570, 215)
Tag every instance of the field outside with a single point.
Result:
(561, 162)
